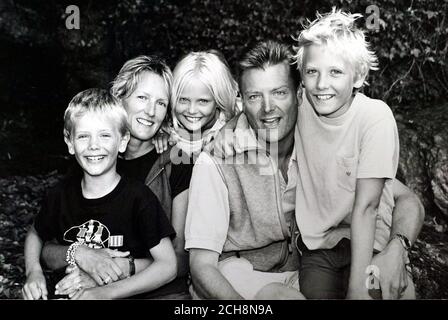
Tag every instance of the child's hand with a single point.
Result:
(164, 137)
(35, 286)
(73, 282)
(162, 140)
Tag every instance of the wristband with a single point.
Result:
(70, 255)
(131, 265)
(403, 240)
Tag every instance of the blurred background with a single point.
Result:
(43, 64)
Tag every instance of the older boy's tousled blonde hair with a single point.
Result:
(338, 30)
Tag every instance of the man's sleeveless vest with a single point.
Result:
(258, 230)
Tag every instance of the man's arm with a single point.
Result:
(98, 263)
(160, 272)
(408, 214)
(407, 219)
(206, 230)
(77, 278)
(208, 281)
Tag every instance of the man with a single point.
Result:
(241, 216)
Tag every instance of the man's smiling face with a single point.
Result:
(270, 101)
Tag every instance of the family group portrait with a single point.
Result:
(252, 150)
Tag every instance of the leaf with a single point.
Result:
(431, 14)
(415, 52)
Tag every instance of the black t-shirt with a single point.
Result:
(139, 168)
(129, 218)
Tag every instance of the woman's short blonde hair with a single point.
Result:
(337, 30)
(212, 70)
(127, 78)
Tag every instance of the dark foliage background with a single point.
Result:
(43, 64)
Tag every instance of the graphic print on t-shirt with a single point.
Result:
(92, 233)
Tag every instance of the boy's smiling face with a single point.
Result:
(95, 142)
(329, 80)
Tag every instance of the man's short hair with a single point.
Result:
(211, 68)
(95, 101)
(127, 78)
(265, 54)
(337, 30)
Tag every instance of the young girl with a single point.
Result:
(204, 98)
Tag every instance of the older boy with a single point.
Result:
(85, 215)
(348, 151)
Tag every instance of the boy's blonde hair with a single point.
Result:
(127, 78)
(211, 68)
(338, 30)
(95, 101)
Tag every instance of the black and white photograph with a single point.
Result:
(223, 150)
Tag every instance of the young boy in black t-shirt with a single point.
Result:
(85, 216)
